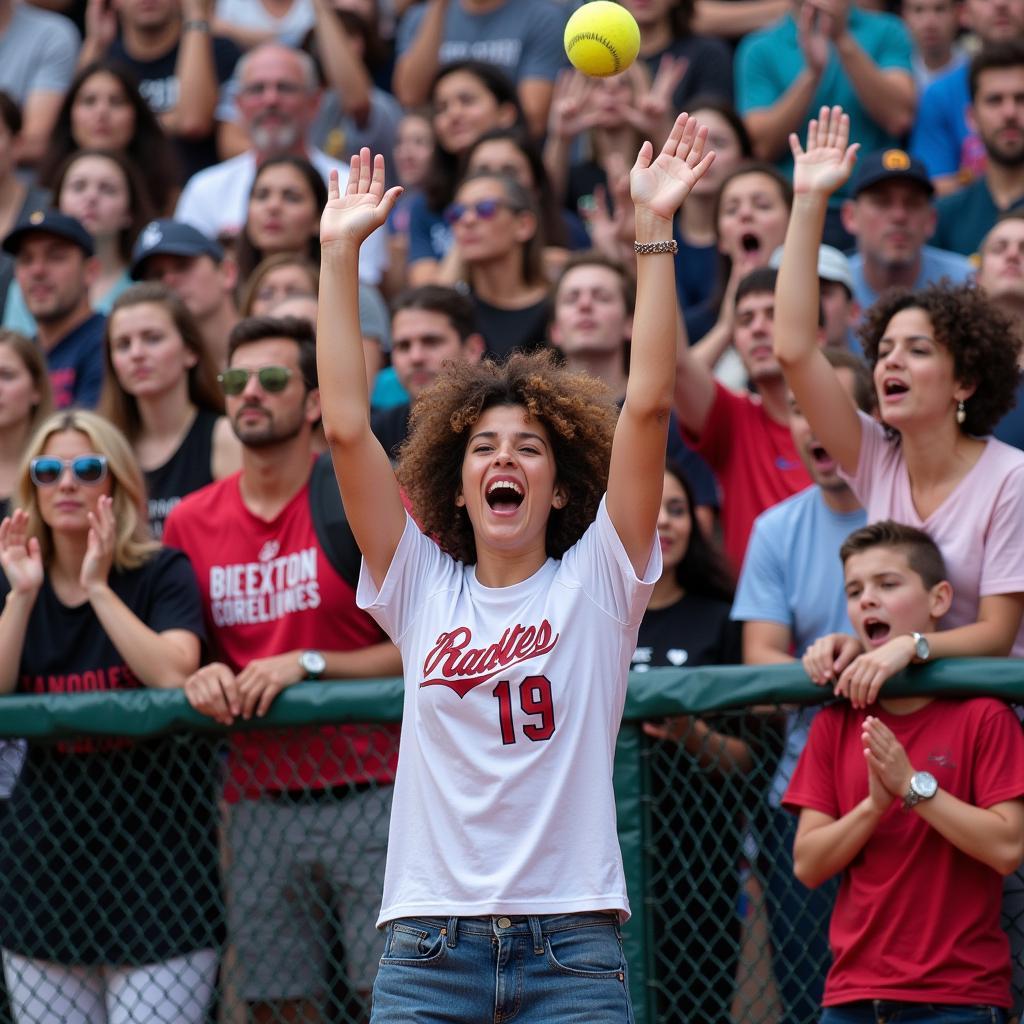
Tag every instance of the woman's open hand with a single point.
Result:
(351, 217)
(99, 548)
(20, 555)
(659, 186)
(827, 162)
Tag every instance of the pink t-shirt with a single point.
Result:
(979, 528)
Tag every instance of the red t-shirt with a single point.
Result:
(267, 588)
(916, 919)
(755, 461)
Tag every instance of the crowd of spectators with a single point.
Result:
(852, 337)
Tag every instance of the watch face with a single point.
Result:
(313, 662)
(924, 784)
(921, 648)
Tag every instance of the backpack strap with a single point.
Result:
(333, 533)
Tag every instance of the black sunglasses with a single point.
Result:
(486, 209)
(46, 470)
(272, 379)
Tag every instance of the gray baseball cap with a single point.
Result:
(832, 265)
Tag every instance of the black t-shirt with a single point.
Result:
(159, 84)
(188, 469)
(391, 427)
(109, 848)
(693, 631)
(512, 330)
(708, 69)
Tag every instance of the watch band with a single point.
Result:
(195, 25)
(652, 248)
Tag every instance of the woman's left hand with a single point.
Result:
(659, 186)
(99, 550)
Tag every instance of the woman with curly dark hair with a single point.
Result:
(515, 596)
(945, 368)
(103, 109)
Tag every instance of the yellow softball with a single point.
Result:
(602, 38)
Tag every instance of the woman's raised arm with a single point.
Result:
(817, 172)
(369, 490)
(637, 473)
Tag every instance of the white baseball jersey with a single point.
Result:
(513, 696)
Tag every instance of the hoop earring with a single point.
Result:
(961, 412)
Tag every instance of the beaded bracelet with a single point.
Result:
(650, 248)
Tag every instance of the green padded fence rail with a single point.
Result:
(698, 945)
(658, 692)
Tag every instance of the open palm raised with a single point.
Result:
(661, 185)
(827, 162)
(364, 206)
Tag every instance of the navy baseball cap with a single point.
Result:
(49, 222)
(886, 164)
(173, 238)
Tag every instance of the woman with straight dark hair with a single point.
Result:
(285, 201)
(498, 243)
(103, 109)
(160, 389)
(467, 98)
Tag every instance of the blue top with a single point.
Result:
(792, 576)
(769, 60)
(935, 265)
(75, 365)
(940, 133)
(966, 217)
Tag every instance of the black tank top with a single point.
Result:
(188, 469)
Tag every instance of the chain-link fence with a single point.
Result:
(153, 868)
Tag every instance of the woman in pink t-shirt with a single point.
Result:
(945, 368)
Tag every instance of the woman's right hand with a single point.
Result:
(827, 162)
(350, 218)
(20, 556)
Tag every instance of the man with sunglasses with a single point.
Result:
(310, 808)
(55, 266)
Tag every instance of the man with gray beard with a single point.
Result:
(892, 216)
(278, 97)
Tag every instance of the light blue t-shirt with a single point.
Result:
(769, 60)
(792, 575)
(935, 265)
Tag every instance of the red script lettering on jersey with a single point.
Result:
(462, 667)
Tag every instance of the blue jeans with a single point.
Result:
(884, 1011)
(553, 969)
(798, 918)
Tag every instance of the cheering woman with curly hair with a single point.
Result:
(515, 595)
(945, 369)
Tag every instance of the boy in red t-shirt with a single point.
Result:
(917, 801)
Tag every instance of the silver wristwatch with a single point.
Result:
(923, 786)
(313, 664)
(922, 649)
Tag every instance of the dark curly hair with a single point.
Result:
(576, 409)
(980, 338)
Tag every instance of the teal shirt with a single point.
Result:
(768, 61)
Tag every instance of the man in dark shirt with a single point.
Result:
(182, 69)
(55, 265)
(996, 113)
(430, 326)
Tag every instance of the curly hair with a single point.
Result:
(577, 410)
(980, 338)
